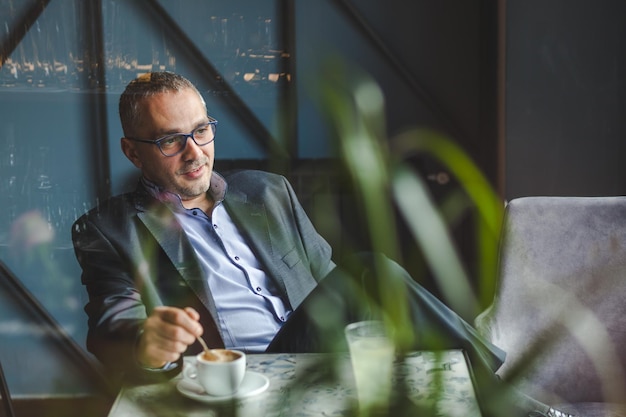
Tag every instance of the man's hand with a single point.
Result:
(166, 334)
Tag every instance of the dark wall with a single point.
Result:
(435, 61)
(565, 97)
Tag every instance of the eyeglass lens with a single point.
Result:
(203, 135)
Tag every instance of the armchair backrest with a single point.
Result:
(560, 306)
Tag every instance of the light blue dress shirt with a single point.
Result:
(249, 306)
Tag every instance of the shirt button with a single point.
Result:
(236, 258)
(282, 318)
(258, 289)
(215, 226)
(195, 213)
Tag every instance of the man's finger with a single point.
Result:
(192, 313)
(181, 318)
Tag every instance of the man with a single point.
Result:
(164, 236)
(231, 258)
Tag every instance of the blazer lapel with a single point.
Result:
(168, 233)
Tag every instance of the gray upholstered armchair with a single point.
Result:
(560, 305)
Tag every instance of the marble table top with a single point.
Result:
(303, 385)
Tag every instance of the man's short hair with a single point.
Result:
(144, 86)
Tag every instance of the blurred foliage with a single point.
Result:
(389, 191)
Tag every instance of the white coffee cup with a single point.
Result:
(221, 373)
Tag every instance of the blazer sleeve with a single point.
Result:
(115, 310)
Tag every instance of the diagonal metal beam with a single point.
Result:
(9, 282)
(20, 28)
(5, 395)
(237, 106)
(361, 23)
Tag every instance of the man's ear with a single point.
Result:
(128, 147)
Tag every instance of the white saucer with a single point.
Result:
(253, 384)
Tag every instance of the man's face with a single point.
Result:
(187, 174)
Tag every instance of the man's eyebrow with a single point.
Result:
(174, 131)
(203, 122)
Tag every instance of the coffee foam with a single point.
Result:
(220, 355)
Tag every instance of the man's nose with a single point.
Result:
(192, 150)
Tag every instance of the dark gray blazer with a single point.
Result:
(134, 255)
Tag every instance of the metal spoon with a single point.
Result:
(207, 352)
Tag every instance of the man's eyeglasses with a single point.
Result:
(175, 143)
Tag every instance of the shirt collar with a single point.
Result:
(217, 191)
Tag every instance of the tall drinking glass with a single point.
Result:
(372, 355)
